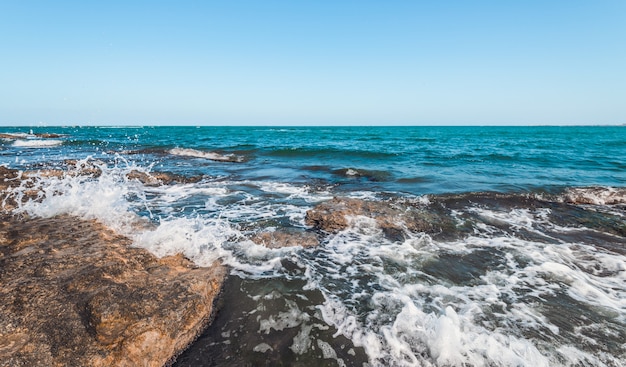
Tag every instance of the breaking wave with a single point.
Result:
(526, 280)
(186, 152)
(32, 143)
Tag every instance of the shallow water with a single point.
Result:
(529, 268)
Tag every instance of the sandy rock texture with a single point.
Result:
(75, 293)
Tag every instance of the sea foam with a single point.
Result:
(415, 302)
(33, 143)
(186, 152)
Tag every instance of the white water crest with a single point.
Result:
(595, 195)
(36, 143)
(421, 314)
(186, 152)
(184, 218)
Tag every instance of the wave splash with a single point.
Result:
(518, 287)
(32, 143)
(187, 152)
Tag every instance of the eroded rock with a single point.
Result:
(75, 294)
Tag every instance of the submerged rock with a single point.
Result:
(74, 293)
(160, 178)
(278, 239)
(394, 217)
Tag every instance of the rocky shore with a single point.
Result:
(75, 293)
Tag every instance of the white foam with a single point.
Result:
(595, 195)
(104, 199)
(34, 143)
(199, 240)
(419, 323)
(204, 235)
(284, 320)
(377, 293)
(262, 348)
(186, 152)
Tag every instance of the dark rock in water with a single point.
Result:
(394, 217)
(371, 175)
(278, 239)
(160, 178)
(49, 135)
(75, 294)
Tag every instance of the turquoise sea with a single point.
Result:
(416, 160)
(529, 270)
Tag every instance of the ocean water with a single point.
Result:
(529, 271)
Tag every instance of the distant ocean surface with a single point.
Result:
(533, 274)
(415, 160)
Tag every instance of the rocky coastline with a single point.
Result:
(75, 293)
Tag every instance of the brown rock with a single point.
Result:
(278, 239)
(89, 168)
(49, 135)
(332, 216)
(394, 217)
(75, 294)
(8, 178)
(160, 178)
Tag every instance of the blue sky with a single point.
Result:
(312, 62)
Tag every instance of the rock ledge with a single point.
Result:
(74, 293)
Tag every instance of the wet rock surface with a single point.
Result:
(595, 195)
(160, 178)
(75, 294)
(395, 217)
(279, 239)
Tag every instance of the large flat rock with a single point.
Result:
(74, 293)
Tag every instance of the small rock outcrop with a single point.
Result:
(160, 178)
(393, 217)
(279, 239)
(74, 293)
